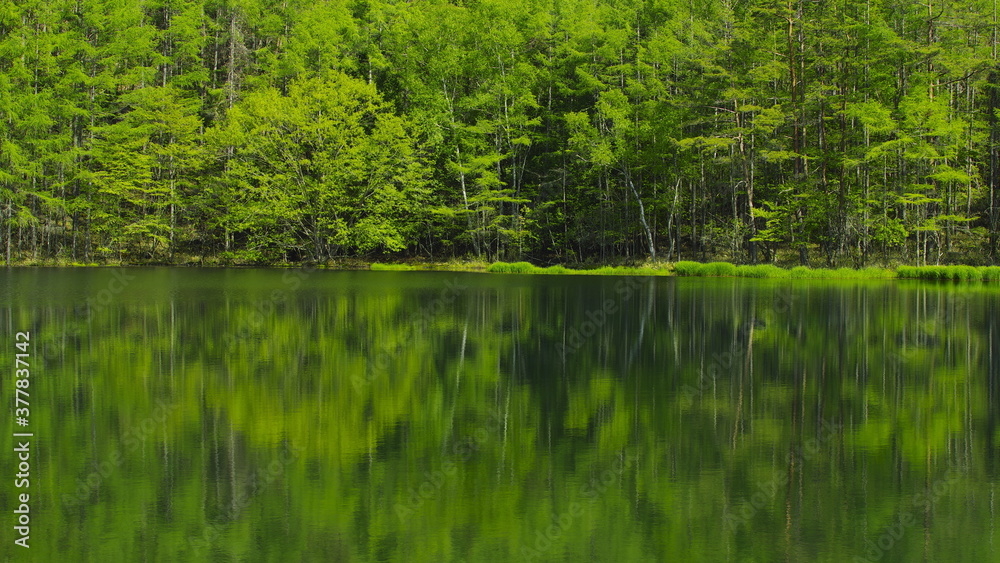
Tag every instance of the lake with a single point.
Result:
(291, 415)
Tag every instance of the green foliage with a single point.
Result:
(624, 271)
(688, 268)
(327, 165)
(719, 269)
(712, 269)
(802, 272)
(273, 132)
(951, 273)
(872, 272)
(528, 268)
(762, 271)
(772, 271)
(515, 268)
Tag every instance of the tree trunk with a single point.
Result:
(642, 217)
(993, 167)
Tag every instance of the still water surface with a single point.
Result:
(272, 415)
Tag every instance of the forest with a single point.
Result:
(822, 132)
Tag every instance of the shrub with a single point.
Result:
(510, 268)
(802, 272)
(762, 271)
(965, 273)
(392, 267)
(687, 268)
(957, 273)
(872, 272)
(720, 269)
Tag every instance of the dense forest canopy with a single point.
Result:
(261, 131)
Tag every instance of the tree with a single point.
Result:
(325, 169)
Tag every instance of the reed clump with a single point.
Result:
(950, 273)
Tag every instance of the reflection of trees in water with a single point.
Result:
(796, 363)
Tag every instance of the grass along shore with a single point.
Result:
(681, 268)
(726, 269)
(664, 269)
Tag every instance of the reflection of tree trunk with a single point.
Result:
(210, 452)
(992, 379)
(503, 440)
(232, 472)
(929, 492)
(642, 328)
(93, 431)
(747, 371)
(458, 381)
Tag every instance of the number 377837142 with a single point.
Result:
(22, 340)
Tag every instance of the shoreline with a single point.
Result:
(676, 269)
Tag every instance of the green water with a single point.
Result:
(269, 415)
